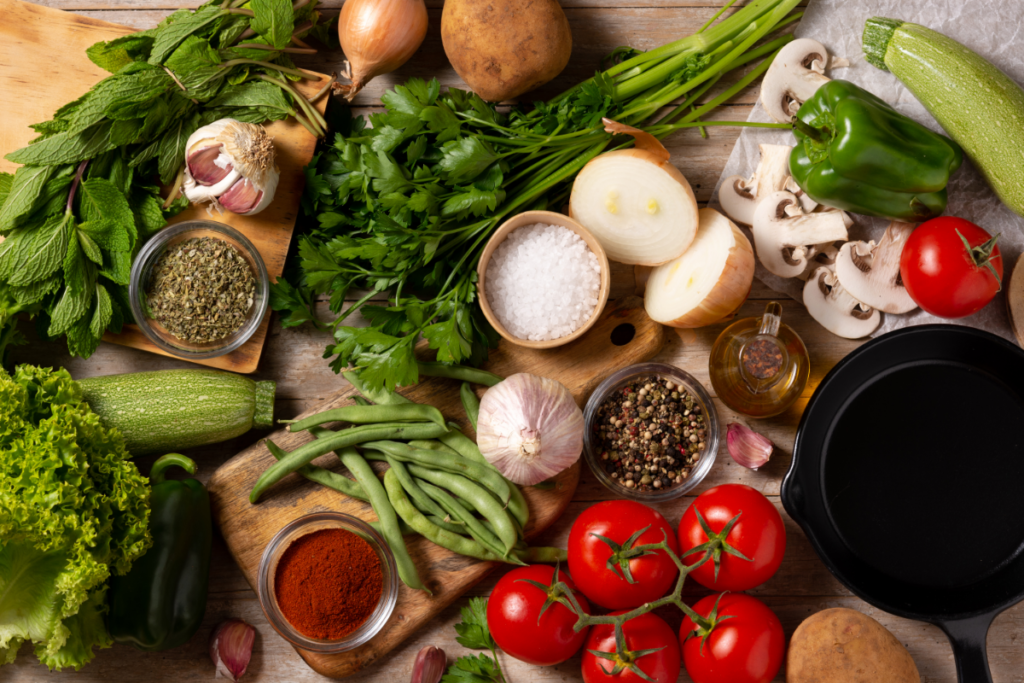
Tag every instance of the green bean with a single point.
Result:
(308, 452)
(324, 477)
(402, 526)
(423, 502)
(460, 372)
(365, 475)
(490, 478)
(412, 412)
(467, 448)
(542, 555)
(492, 511)
(433, 445)
(414, 518)
(470, 403)
(474, 526)
(447, 524)
(360, 401)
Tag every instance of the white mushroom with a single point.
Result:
(823, 255)
(740, 196)
(785, 236)
(871, 272)
(835, 309)
(795, 74)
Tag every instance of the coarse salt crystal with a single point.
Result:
(543, 282)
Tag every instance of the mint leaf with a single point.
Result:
(6, 180)
(37, 291)
(180, 28)
(149, 216)
(65, 148)
(90, 248)
(101, 200)
(273, 20)
(116, 54)
(41, 254)
(78, 293)
(172, 147)
(25, 187)
(104, 310)
(81, 341)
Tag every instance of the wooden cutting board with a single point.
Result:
(247, 528)
(43, 66)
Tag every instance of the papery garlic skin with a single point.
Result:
(747, 447)
(231, 165)
(231, 648)
(530, 428)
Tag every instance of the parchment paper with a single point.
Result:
(992, 28)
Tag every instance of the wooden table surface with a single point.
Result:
(293, 358)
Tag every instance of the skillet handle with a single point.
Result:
(968, 637)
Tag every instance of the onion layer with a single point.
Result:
(635, 202)
(708, 282)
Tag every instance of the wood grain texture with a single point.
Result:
(34, 44)
(247, 529)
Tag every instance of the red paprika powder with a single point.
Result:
(328, 583)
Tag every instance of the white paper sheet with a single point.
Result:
(992, 28)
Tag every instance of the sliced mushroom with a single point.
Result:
(795, 74)
(835, 309)
(823, 255)
(785, 236)
(740, 196)
(871, 272)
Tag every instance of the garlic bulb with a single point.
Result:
(231, 165)
(530, 428)
(747, 447)
(377, 37)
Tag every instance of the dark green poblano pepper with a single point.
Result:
(159, 604)
(857, 153)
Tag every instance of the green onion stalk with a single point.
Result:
(537, 152)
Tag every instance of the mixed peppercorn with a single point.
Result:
(650, 434)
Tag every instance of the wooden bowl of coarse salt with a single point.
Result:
(540, 286)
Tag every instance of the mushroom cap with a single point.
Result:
(785, 236)
(740, 196)
(795, 74)
(871, 272)
(835, 309)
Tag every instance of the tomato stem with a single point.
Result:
(981, 255)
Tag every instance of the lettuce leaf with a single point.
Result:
(73, 510)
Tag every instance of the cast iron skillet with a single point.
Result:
(908, 478)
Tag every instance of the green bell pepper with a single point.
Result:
(159, 604)
(857, 153)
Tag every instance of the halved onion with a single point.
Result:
(708, 282)
(635, 202)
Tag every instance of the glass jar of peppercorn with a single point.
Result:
(759, 366)
(651, 432)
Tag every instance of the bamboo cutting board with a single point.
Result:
(580, 366)
(43, 66)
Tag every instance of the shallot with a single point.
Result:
(377, 37)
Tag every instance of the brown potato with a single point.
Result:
(503, 48)
(844, 646)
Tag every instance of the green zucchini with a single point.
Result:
(171, 410)
(978, 105)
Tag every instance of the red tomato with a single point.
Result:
(757, 534)
(748, 647)
(942, 275)
(646, 632)
(515, 620)
(620, 521)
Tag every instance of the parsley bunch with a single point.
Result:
(474, 634)
(406, 206)
(88, 193)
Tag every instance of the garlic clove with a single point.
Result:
(231, 648)
(242, 197)
(747, 447)
(203, 167)
(429, 666)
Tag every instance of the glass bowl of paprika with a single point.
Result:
(327, 582)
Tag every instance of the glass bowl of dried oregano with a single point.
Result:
(652, 432)
(199, 289)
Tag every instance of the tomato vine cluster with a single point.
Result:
(626, 558)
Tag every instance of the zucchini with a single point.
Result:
(171, 410)
(978, 105)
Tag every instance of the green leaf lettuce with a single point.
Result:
(73, 510)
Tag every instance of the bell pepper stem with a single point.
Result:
(808, 130)
(156, 474)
